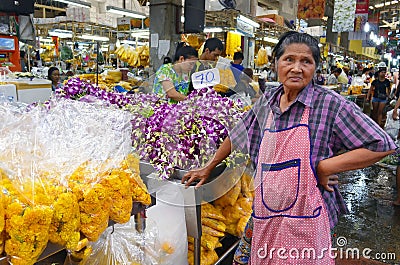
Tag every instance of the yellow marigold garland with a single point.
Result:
(27, 232)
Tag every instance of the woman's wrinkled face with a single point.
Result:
(296, 66)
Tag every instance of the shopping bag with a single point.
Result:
(169, 216)
(392, 126)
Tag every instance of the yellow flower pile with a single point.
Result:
(233, 44)
(26, 224)
(138, 188)
(227, 80)
(262, 57)
(109, 194)
(236, 204)
(27, 231)
(66, 223)
(37, 210)
(94, 201)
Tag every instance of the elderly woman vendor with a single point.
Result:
(294, 134)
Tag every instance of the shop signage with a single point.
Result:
(123, 24)
(245, 28)
(206, 78)
(362, 6)
(315, 31)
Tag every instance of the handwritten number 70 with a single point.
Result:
(208, 77)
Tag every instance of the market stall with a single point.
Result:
(76, 127)
(30, 91)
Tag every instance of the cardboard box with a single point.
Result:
(277, 18)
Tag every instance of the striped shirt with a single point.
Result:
(336, 124)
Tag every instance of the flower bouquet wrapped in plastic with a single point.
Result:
(123, 245)
(64, 174)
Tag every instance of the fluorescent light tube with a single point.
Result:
(125, 12)
(132, 42)
(75, 3)
(94, 37)
(272, 40)
(213, 29)
(248, 21)
(61, 33)
(145, 34)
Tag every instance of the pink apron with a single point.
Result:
(291, 224)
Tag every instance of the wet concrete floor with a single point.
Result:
(373, 222)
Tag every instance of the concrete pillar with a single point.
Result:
(344, 40)
(330, 36)
(253, 7)
(165, 20)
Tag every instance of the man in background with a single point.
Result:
(236, 66)
(333, 78)
(212, 49)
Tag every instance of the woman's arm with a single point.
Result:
(370, 92)
(355, 159)
(389, 89)
(171, 92)
(203, 173)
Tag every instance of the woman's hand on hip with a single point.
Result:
(328, 181)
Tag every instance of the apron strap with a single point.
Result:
(269, 120)
(305, 115)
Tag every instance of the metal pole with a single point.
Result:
(197, 251)
(97, 63)
(197, 240)
(233, 247)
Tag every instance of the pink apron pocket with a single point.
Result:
(280, 185)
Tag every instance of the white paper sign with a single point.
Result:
(206, 78)
(163, 48)
(154, 40)
(223, 63)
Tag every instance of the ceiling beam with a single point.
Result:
(269, 3)
(50, 7)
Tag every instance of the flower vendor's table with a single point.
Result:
(29, 91)
(9, 90)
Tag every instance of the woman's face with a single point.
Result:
(55, 76)
(296, 66)
(382, 74)
(187, 64)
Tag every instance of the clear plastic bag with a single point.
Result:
(122, 244)
(169, 216)
(392, 127)
(65, 170)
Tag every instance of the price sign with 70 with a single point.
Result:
(206, 78)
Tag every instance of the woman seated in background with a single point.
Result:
(54, 76)
(319, 79)
(172, 79)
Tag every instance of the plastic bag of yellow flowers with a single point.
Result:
(60, 179)
(122, 244)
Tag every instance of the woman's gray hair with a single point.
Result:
(291, 37)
